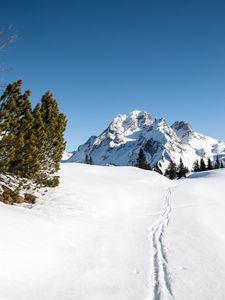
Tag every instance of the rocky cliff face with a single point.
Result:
(120, 143)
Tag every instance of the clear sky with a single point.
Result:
(103, 58)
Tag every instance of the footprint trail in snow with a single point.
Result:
(161, 276)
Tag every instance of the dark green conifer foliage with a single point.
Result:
(32, 142)
(171, 171)
(182, 170)
(88, 159)
(202, 165)
(36, 149)
(209, 164)
(196, 167)
(20, 165)
(158, 170)
(141, 161)
(10, 112)
(217, 163)
(54, 126)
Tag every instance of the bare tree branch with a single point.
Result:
(7, 37)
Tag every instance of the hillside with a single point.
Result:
(120, 143)
(116, 233)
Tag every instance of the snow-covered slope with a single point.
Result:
(66, 155)
(195, 237)
(120, 143)
(117, 233)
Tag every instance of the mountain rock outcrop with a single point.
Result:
(120, 143)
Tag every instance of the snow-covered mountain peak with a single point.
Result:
(161, 124)
(134, 121)
(120, 143)
(181, 125)
(183, 130)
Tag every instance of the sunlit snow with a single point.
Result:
(117, 233)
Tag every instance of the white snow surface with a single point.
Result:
(120, 143)
(66, 155)
(117, 233)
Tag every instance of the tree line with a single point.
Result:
(202, 166)
(171, 172)
(31, 139)
(176, 172)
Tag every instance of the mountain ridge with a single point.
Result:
(120, 142)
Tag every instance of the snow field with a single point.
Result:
(117, 233)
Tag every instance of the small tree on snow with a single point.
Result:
(196, 167)
(209, 164)
(171, 171)
(202, 165)
(182, 170)
(158, 170)
(141, 161)
(88, 159)
(217, 163)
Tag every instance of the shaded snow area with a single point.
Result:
(117, 233)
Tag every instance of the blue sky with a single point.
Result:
(103, 58)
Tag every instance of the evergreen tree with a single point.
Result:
(54, 145)
(88, 159)
(36, 147)
(202, 165)
(171, 171)
(209, 164)
(221, 164)
(217, 163)
(141, 161)
(158, 170)
(32, 142)
(21, 165)
(196, 167)
(10, 112)
(182, 170)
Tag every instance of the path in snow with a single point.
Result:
(161, 275)
(103, 216)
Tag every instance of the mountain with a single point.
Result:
(120, 143)
(66, 155)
